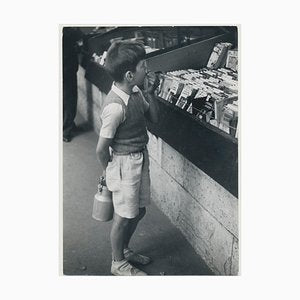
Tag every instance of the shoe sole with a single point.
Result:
(127, 275)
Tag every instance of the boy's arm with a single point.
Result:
(153, 112)
(112, 117)
(102, 152)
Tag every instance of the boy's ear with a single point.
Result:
(129, 75)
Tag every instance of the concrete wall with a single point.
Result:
(204, 211)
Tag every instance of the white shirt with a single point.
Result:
(113, 115)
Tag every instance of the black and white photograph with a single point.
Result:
(149, 150)
(150, 136)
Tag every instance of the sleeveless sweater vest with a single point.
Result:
(131, 135)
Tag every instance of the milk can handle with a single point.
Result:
(101, 184)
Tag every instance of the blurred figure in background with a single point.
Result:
(71, 35)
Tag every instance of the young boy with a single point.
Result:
(124, 131)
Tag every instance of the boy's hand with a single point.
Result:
(151, 82)
(103, 180)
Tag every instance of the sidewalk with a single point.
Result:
(86, 245)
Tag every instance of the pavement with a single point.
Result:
(86, 244)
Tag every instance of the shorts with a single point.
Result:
(128, 178)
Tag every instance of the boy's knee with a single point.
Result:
(120, 221)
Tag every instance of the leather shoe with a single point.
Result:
(67, 139)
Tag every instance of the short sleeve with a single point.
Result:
(112, 116)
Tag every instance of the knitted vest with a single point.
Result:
(131, 135)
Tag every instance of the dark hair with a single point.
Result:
(123, 56)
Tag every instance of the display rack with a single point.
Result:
(209, 148)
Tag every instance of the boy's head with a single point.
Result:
(125, 61)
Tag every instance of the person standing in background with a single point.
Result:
(71, 35)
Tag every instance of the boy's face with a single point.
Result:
(140, 73)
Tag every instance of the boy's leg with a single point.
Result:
(120, 266)
(144, 200)
(132, 226)
(130, 255)
(117, 236)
